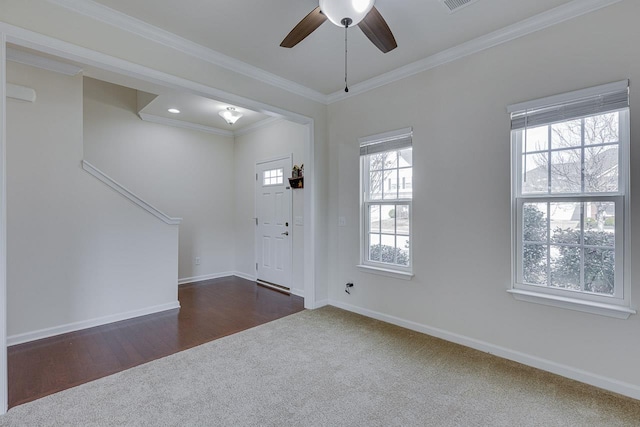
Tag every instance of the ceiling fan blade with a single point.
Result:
(305, 27)
(376, 29)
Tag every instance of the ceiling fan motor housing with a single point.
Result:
(342, 10)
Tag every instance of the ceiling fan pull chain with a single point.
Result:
(346, 85)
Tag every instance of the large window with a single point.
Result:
(386, 170)
(570, 199)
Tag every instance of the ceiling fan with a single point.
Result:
(345, 13)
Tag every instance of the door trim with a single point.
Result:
(4, 380)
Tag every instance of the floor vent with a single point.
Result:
(456, 5)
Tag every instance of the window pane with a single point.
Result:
(376, 161)
(402, 220)
(402, 250)
(599, 224)
(601, 169)
(565, 222)
(565, 267)
(390, 191)
(388, 249)
(566, 134)
(391, 160)
(534, 222)
(374, 247)
(602, 129)
(535, 176)
(273, 177)
(375, 186)
(388, 219)
(374, 218)
(599, 270)
(566, 174)
(534, 264)
(405, 190)
(536, 139)
(405, 158)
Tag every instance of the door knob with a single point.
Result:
(286, 233)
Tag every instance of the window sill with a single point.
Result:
(609, 310)
(385, 272)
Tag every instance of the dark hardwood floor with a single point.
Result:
(209, 310)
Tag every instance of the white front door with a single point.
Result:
(273, 224)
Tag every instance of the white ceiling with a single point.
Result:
(251, 31)
(199, 111)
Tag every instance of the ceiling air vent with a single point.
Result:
(456, 5)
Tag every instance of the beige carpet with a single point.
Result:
(329, 368)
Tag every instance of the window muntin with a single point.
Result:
(386, 177)
(273, 177)
(570, 203)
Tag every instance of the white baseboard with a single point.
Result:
(205, 277)
(76, 326)
(616, 386)
(244, 276)
(325, 302)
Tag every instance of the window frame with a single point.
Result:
(378, 267)
(616, 305)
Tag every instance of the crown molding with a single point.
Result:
(152, 118)
(531, 25)
(27, 58)
(133, 25)
(255, 126)
(528, 26)
(52, 46)
(184, 124)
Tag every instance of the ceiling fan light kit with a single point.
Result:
(353, 12)
(339, 10)
(345, 13)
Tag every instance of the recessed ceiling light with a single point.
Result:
(173, 111)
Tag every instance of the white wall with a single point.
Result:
(77, 251)
(185, 173)
(51, 24)
(278, 138)
(461, 228)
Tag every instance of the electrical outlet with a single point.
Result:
(197, 260)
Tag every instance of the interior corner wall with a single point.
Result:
(184, 173)
(461, 208)
(77, 251)
(275, 139)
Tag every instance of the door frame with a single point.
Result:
(288, 157)
(4, 380)
(56, 47)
